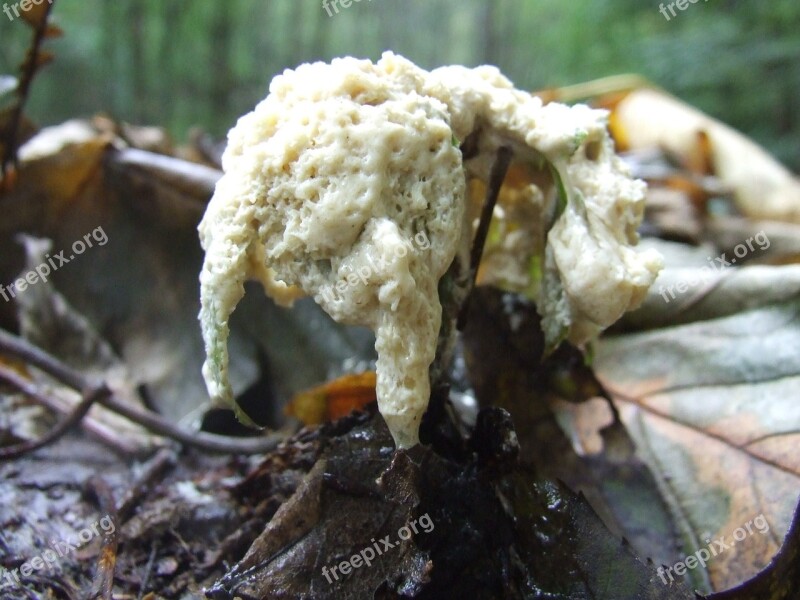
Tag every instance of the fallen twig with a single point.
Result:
(119, 512)
(498, 174)
(148, 570)
(27, 352)
(151, 421)
(72, 419)
(103, 584)
(496, 177)
(163, 461)
(30, 66)
(91, 424)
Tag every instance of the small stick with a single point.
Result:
(156, 468)
(147, 571)
(151, 421)
(498, 173)
(120, 512)
(39, 358)
(30, 67)
(103, 584)
(61, 428)
(93, 426)
(201, 440)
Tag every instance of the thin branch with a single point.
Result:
(119, 512)
(198, 439)
(91, 424)
(499, 169)
(151, 421)
(498, 173)
(29, 353)
(148, 570)
(103, 583)
(72, 419)
(164, 460)
(613, 84)
(30, 67)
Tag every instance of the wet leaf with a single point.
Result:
(779, 580)
(689, 290)
(478, 534)
(503, 346)
(712, 406)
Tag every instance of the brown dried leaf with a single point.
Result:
(712, 406)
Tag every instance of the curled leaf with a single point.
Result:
(334, 399)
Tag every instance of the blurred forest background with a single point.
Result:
(180, 63)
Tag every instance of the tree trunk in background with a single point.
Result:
(110, 49)
(179, 63)
(168, 48)
(318, 34)
(139, 94)
(488, 15)
(222, 81)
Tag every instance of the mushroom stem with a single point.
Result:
(498, 174)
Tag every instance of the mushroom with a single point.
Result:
(333, 181)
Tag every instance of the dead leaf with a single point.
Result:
(779, 580)
(334, 399)
(687, 291)
(763, 188)
(712, 406)
(481, 539)
(77, 177)
(503, 346)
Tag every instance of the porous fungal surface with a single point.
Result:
(334, 179)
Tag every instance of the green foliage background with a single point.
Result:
(181, 63)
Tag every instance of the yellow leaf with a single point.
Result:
(762, 186)
(334, 399)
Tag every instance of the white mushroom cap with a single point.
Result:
(346, 184)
